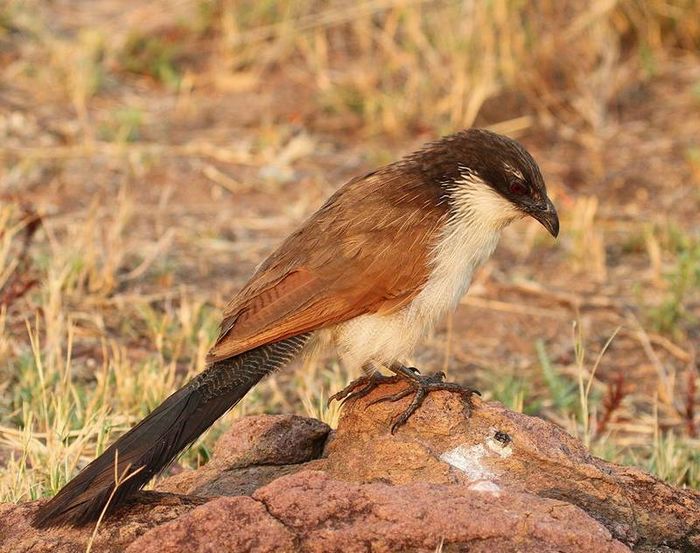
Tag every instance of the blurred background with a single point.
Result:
(152, 153)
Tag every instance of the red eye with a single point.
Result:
(518, 187)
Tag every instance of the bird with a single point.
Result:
(370, 272)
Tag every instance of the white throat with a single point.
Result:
(468, 240)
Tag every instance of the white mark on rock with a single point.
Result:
(485, 486)
(468, 460)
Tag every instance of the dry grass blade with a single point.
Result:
(119, 479)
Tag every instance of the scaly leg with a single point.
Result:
(363, 385)
(420, 386)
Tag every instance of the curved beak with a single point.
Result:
(548, 217)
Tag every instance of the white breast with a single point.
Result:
(469, 238)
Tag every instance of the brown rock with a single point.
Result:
(141, 514)
(253, 452)
(227, 524)
(498, 481)
(241, 481)
(310, 512)
(271, 440)
(513, 451)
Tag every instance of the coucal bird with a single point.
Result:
(371, 272)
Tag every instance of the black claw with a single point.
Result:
(365, 384)
(343, 394)
(417, 401)
(368, 387)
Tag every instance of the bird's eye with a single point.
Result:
(518, 187)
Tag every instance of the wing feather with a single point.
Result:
(366, 250)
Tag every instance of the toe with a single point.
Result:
(393, 397)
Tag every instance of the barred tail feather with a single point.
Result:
(153, 443)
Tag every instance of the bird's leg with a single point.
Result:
(420, 386)
(363, 385)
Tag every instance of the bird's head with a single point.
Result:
(494, 178)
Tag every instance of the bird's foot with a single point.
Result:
(420, 386)
(362, 386)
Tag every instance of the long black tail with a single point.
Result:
(154, 442)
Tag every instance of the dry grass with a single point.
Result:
(153, 156)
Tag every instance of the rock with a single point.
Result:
(238, 481)
(498, 447)
(271, 440)
(254, 451)
(227, 524)
(498, 481)
(143, 512)
(311, 512)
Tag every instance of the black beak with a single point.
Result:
(548, 217)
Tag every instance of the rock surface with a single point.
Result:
(515, 452)
(254, 452)
(310, 511)
(146, 511)
(498, 481)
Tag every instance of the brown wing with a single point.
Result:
(365, 251)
